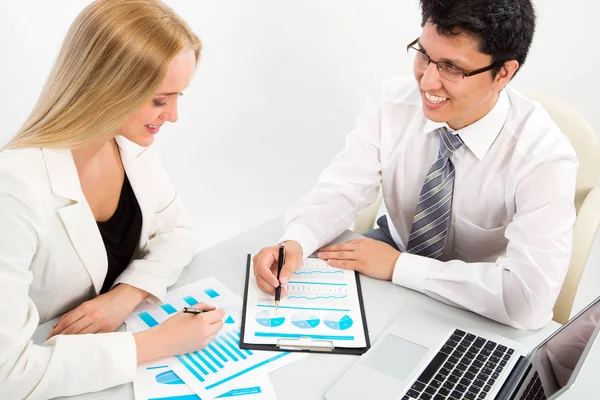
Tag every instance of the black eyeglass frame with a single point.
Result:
(465, 74)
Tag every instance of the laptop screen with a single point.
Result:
(556, 359)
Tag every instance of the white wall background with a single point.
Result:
(279, 85)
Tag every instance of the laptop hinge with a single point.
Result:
(506, 391)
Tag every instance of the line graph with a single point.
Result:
(317, 272)
(316, 297)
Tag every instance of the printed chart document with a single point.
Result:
(219, 370)
(157, 381)
(322, 312)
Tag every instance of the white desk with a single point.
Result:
(311, 377)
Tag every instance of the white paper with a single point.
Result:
(157, 381)
(209, 291)
(322, 304)
(221, 367)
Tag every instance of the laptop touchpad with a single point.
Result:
(395, 357)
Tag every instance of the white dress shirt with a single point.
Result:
(510, 235)
(52, 259)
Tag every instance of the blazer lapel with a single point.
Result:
(77, 217)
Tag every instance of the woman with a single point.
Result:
(89, 224)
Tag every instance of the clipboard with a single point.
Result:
(303, 343)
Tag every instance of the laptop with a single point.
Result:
(416, 358)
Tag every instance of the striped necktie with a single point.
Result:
(432, 217)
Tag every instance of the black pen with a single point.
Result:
(280, 262)
(190, 310)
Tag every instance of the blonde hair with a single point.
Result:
(112, 61)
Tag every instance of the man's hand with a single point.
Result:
(104, 313)
(265, 266)
(367, 256)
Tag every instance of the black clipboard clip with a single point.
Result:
(305, 343)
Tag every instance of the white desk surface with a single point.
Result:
(311, 377)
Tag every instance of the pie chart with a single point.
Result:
(305, 320)
(338, 322)
(270, 320)
(168, 378)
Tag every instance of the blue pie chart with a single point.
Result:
(305, 320)
(337, 322)
(265, 318)
(168, 378)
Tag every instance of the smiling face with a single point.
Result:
(458, 103)
(141, 127)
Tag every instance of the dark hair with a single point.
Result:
(504, 28)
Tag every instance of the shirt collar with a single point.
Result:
(480, 135)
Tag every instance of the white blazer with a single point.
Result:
(52, 258)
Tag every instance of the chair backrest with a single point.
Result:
(582, 138)
(365, 220)
(586, 145)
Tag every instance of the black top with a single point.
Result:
(121, 234)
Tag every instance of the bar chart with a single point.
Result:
(213, 370)
(222, 361)
(211, 292)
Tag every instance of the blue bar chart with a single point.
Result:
(222, 361)
(214, 357)
(153, 316)
(213, 370)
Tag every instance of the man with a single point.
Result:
(478, 181)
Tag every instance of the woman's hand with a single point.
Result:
(104, 313)
(180, 334)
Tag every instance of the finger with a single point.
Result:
(255, 262)
(343, 264)
(212, 316)
(213, 329)
(357, 241)
(77, 327)
(346, 246)
(93, 328)
(269, 277)
(284, 291)
(265, 260)
(337, 255)
(68, 320)
(203, 307)
(61, 319)
(265, 286)
(265, 271)
(57, 322)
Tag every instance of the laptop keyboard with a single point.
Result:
(465, 368)
(534, 390)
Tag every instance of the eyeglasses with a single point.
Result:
(446, 70)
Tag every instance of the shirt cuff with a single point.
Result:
(411, 271)
(304, 237)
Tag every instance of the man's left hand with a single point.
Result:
(104, 313)
(367, 256)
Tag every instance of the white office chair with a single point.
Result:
(587, 197)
